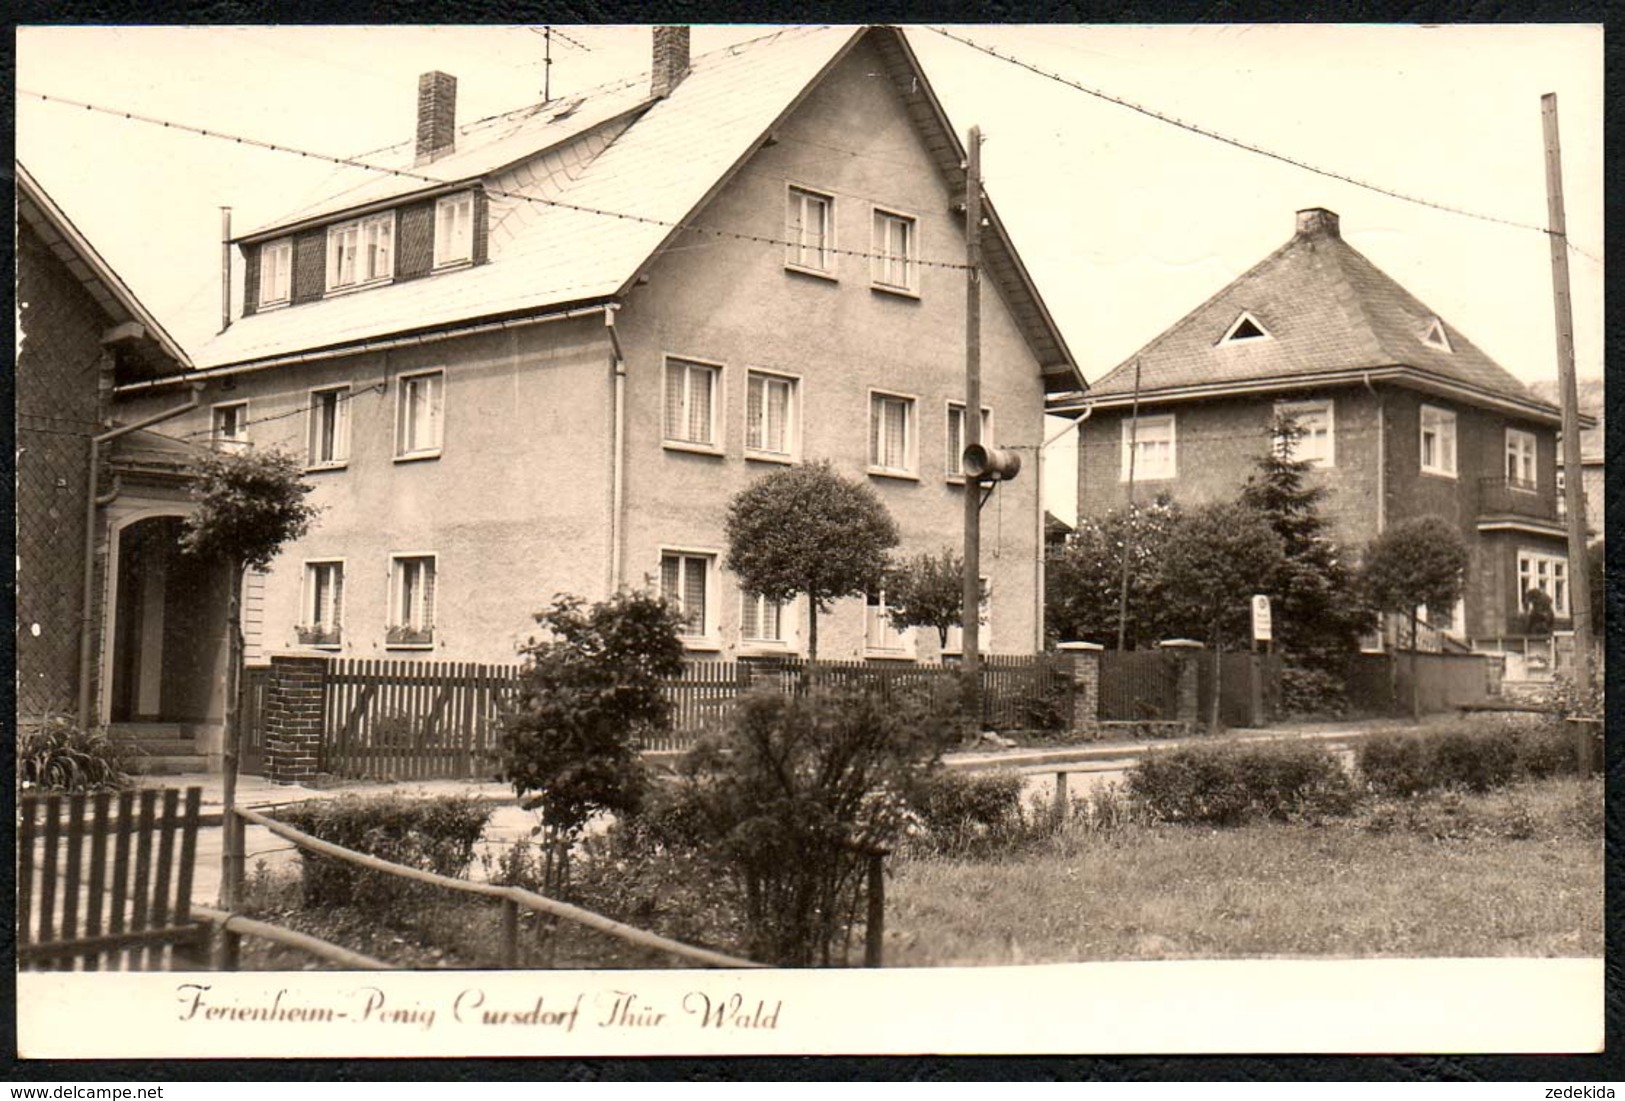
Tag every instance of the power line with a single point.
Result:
(351, 162)
(298, 410)
(1249, 147)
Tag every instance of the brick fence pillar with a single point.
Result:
(295, 702)
(1084, 659)
(1186, 652)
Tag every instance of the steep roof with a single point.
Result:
(36, 208)
(558, 175)
(1325, 314)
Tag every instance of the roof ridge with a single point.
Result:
(1338, 255)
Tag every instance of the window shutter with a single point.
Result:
(699, 404)
(756, 434)
(251, 280)
(694, 593)
(675, 376)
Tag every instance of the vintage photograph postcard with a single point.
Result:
(499, 510)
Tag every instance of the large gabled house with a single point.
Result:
(1404, 416)
(543, 355)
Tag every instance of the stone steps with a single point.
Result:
(158, 748)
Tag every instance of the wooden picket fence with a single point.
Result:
(77, 911)
(408, 720)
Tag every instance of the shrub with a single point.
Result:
(956, 809)
(1306, 691)
(1546, 750)
(431, 834)
(569, 742)
(55, 755)
(784, 798)
(1227, 785)
(1410, 763)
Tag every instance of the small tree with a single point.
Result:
(1318, 614)
(927, 591)
(247, 505)
(807, 531)
(1083, 579)
(1213, 561)
(569, 742)
(1538, 617)
(1418, 561)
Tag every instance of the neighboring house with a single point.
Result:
(504, 389)
(80, 331)
(1404, 417)
(1593, 404)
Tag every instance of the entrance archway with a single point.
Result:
(168, 629)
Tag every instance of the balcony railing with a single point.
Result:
(1512, 497)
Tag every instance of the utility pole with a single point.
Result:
(1574, 487)
(970, 608)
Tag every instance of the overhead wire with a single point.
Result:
(581, 208)
(1149, 112)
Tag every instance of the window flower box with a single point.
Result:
(409, 636)
(319, 635)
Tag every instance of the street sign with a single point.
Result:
(1261, 619)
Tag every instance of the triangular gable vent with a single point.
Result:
(1434, 337)
(1245, 328)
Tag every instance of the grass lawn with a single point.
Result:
(1514, 873)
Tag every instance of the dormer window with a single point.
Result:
(361, 252)
(276, 272)
(454, 230)
(1434, 336)
(1245, 328)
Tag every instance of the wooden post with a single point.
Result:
(1128, 530)
(1574, 483)
(1060, 797)
(510, 933)
(971, 594)
(874, 930)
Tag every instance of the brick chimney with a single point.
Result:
(437, 115)
(1317, 221)
(670, 60)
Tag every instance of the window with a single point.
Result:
(770, 411)
(1244, 328)
(891, 434)
(329, 427)
(880, 637)
(276, 272)
(411, 600)
(956, 437)
(1562, 496)
(1521, 459)
(454, 229)
(685, 582)
(1149, 443)
(322, 618)
(955, 643)
(809, 229)
(761, 619)
(1438, 441)
(691, 403)
(229, 428)
(892, 266)
(418, 415)
(1548, 573)
(1434, 336)
(361, 251)
(1315, 418)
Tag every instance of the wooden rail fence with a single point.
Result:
(512, 898)
(81, 906)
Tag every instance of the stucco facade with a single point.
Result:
(519, 500)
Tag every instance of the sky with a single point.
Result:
(1125, 222)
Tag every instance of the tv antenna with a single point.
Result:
(548, 33)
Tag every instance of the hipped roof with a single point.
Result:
(1331, 316)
